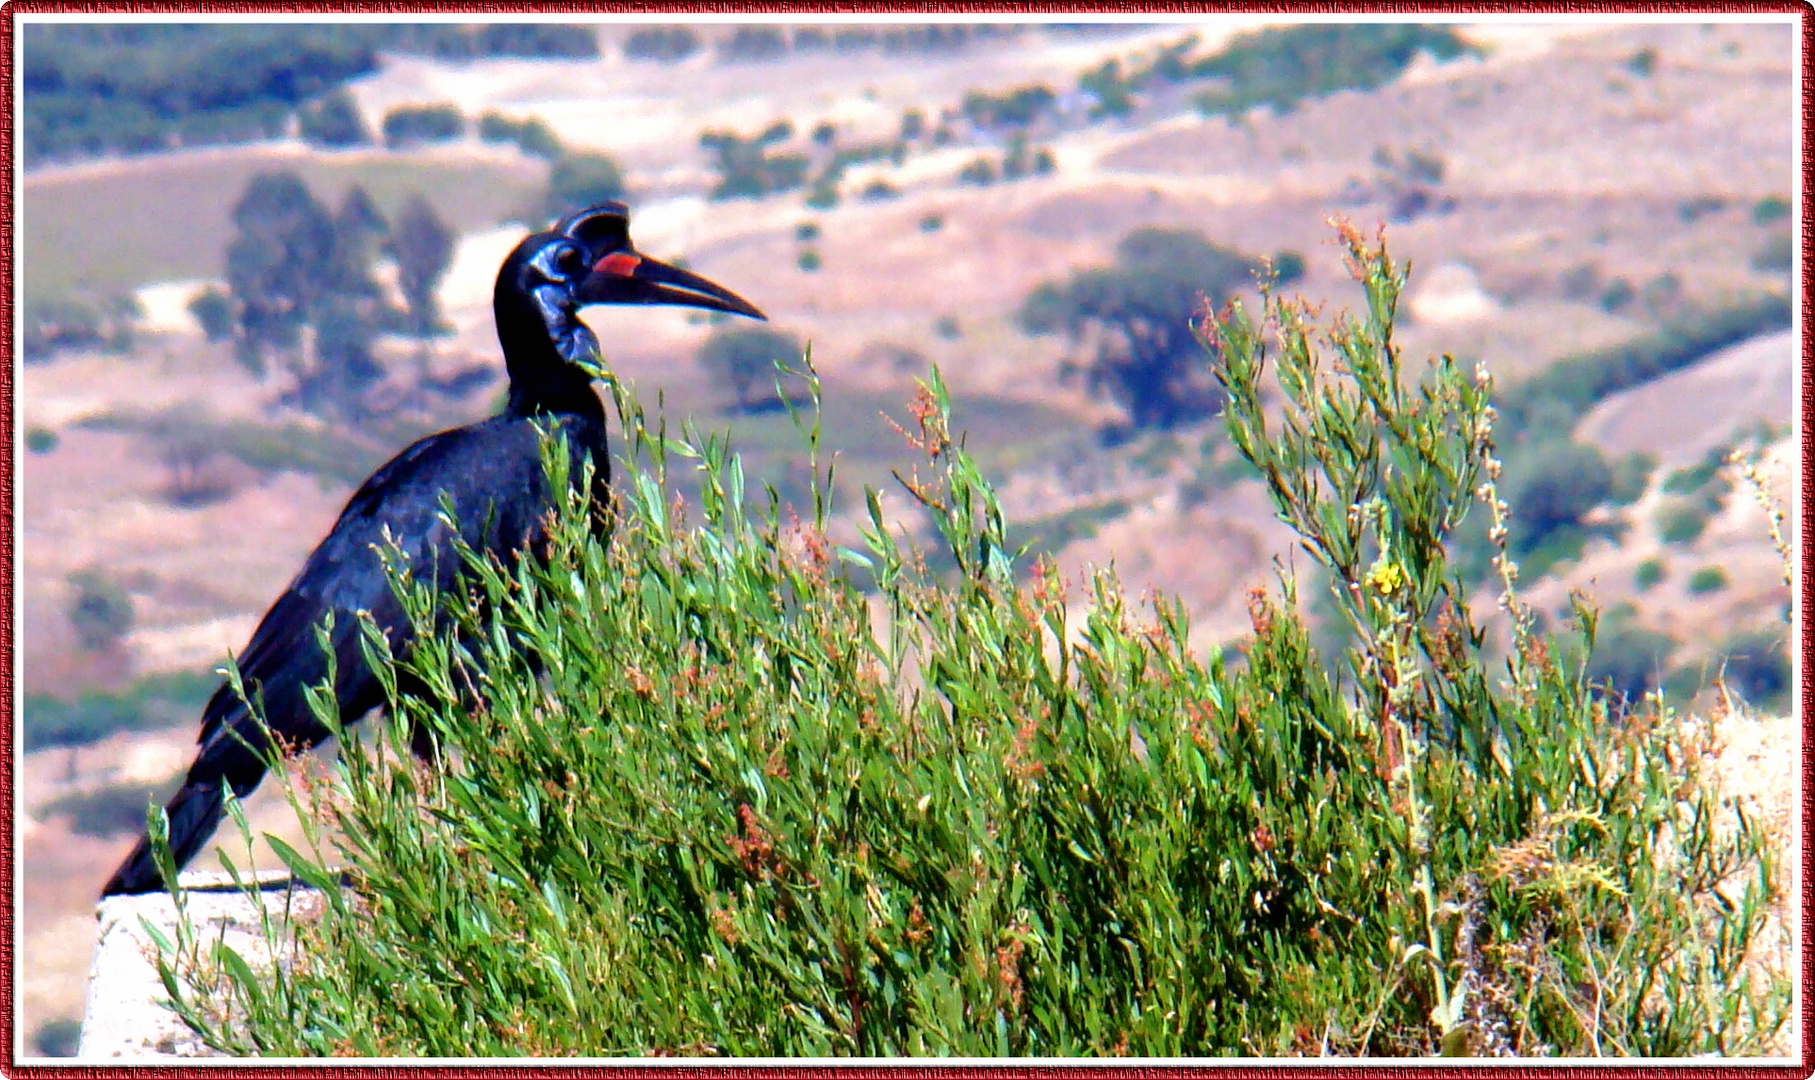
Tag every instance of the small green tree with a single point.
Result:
(423, 246)
(100, 610)
(408, 125)
(334, 122)
(1131, 322)
(579, 180)
(746, 357)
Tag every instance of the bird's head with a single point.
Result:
(587, 258)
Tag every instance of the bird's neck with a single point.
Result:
(542, 380)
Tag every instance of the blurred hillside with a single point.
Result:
(1599, 214)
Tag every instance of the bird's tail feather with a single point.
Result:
(193, 813)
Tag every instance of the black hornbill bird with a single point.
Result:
(492, 470)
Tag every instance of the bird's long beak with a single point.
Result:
(625, 277)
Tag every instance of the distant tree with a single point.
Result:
(334, 121)
(665, 44)
(1015, 108)
(1132, 322)
(303, 291)
(913, 124)
(747, 169)
(1757, 664)
(406, 125)
(1551, 483)
(750, 43)
(100, 611)
(532, 135)
(1113, 95)
(423, 246)
(1629, 658)
(276, 264)
(213, 311)
(744, 359)
(580, 180)
(980, 171)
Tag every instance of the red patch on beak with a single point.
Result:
(621, 263)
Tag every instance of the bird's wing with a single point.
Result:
(493, 475)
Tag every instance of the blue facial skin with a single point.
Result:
(562, 267)
(573, 339)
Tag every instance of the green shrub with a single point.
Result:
(1551, 484)
(1681, 521)
(1283, 66)
(761, 795)
(1576, 383)
(581, 180)
(1628, 659)
(1777, 255)
(665, 44)
(1707, 579)
(1771, 208)
(932, 223)
(111, 810)
(1643, 62)
(1756, 663)
(808, 260)
(980, 171)
(947, 328)
(58, 1038)
(41, 440)
(531, 134)
(1631, 476)
(409, 124)
(806, 231)
(100, 610)
(1648, 573)
(334, 121)
(153, 702)
(746, 357)
(1015, 108)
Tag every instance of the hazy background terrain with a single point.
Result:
(1599, 214)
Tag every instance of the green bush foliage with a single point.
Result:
(100, 88)
(58, 1038)
(1553, 483)
(1570, 387)
(333, 122)
(748, 168)
(109, 811)
(1133, 321)
(1770, 209)
(1015, 108)
(1648, 573)
(153, 702)
(41, 440)
(1283, 66)
(408, 125)
(531, 134)
(1756, 663)
(758, 794)
(100, 610)
(664, 44)
(1681, 521)
(745, 357)
(579, 180)
(1707, 579)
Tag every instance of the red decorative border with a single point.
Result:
(1005, 10)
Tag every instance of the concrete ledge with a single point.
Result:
(124, 1018)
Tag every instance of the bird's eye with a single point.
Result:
(569, 260)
